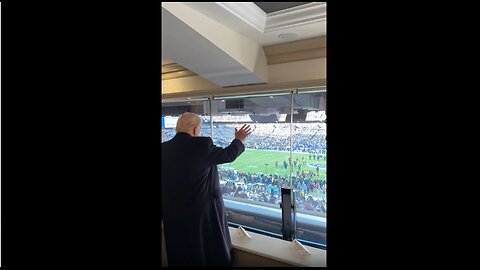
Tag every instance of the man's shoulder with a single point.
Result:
(166, 143)
(169, 143)
(189, 139)
(203, 140)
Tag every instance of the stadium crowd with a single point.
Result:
(266, 188)
(307, 137)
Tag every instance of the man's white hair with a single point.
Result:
(187, 121)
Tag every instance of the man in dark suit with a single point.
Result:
(193, 212)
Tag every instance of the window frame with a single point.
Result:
(292, 92)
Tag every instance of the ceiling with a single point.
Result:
(246, 18)
(303, 30)
(270, 7)
(232, 54)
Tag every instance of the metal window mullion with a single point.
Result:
(291, 137)
(211, 117)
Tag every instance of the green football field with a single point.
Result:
(254, 161)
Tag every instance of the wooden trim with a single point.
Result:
(247, 12)
(177, 74)
(175, 71)
(304, 14)
(299, 45)
(296, 56)
(172, 67)
(305, 49)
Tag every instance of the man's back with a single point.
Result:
(185, 171)
(193, 212)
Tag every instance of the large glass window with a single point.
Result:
(251, 185)
(310, 175)
(284, 150)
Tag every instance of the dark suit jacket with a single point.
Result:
(193, 213)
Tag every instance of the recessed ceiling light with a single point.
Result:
(271, 96)
(288, 35)
(223, 100)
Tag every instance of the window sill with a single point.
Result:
(277, 249)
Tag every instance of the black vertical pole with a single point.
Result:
(288, 214)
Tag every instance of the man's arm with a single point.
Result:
(218, 155)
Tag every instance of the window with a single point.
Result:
(285, 150)
(251, 185)
(310, 177)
